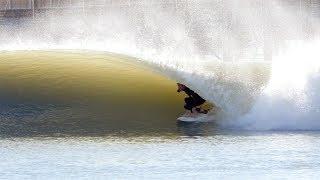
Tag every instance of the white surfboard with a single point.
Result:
(195, 118)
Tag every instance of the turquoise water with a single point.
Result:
(226, 155)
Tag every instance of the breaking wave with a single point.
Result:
(182, 43)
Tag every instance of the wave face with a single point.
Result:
(52, 92)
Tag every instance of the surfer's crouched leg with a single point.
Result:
(189, 103)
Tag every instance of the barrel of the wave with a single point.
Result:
(89, 90)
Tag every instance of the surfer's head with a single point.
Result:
(181, 87)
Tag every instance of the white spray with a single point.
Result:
(291, 101)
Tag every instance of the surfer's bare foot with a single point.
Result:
(190, 114)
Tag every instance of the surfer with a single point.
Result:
(193, 101)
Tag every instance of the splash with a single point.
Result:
(291, 100)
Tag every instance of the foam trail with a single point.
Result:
(291, 100)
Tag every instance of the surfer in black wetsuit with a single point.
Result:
(193, 100)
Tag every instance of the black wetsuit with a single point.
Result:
(193, 100)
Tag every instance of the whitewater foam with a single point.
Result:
(291, 100)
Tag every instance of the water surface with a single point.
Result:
(227, 155)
